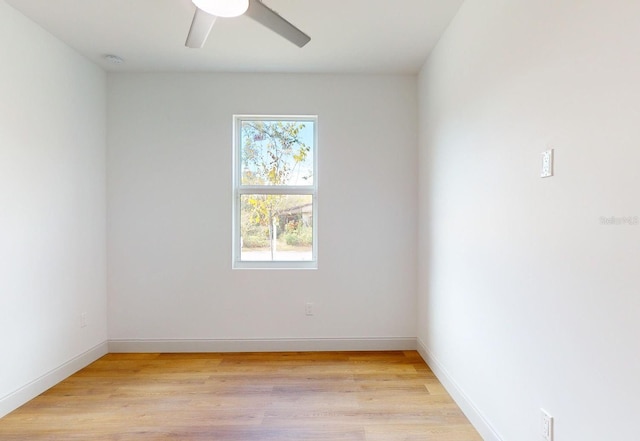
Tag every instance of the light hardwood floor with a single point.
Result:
(320, 396)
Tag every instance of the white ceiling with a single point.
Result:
(347, 36)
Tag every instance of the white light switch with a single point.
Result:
(547, 164)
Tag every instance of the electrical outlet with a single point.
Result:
(547, 164)
(308, 308)
(83, 319)
(546, 425)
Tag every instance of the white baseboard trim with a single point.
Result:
(467, 406)
(265, 345)
(17, 398)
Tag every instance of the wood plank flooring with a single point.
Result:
(319, 396)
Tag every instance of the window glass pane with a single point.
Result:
(276, 152)
(276, 227)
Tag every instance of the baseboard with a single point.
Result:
(265, 345)
(17, 398)
(470, 410)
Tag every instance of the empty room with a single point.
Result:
(355, 220)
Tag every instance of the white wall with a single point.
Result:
(52, 210)
(525, 299)
(169, 212)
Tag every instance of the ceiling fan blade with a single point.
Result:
(272, 20)
(200, 28)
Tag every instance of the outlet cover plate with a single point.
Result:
(546, 425)
(547, 164)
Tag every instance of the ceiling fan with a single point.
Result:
(208, 10)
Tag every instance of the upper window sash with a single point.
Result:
(261, 141)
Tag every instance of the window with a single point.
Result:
(275, 191)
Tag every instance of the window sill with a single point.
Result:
(279, 265)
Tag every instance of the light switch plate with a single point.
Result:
(547, 164)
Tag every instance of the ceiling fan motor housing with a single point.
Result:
(223, 8)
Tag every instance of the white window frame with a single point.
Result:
(239, 190)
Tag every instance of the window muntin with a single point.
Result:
(275, 186)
